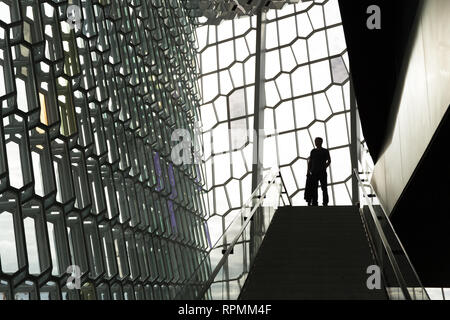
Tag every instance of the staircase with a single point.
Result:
(313, 253)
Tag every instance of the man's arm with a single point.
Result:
(328, 162)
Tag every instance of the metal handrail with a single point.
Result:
(387, 247)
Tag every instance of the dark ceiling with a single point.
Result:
(376, 60)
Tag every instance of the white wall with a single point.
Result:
(424, 100)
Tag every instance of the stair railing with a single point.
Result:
(222, 271)
(401, 279)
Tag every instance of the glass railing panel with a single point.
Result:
(230, 279)
(222, 272)
(232, 275)
(399, 276)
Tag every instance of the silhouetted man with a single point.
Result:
(318, 162)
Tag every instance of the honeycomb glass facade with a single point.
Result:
(90, 92)
(305, 85)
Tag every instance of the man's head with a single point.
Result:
(318, 142)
